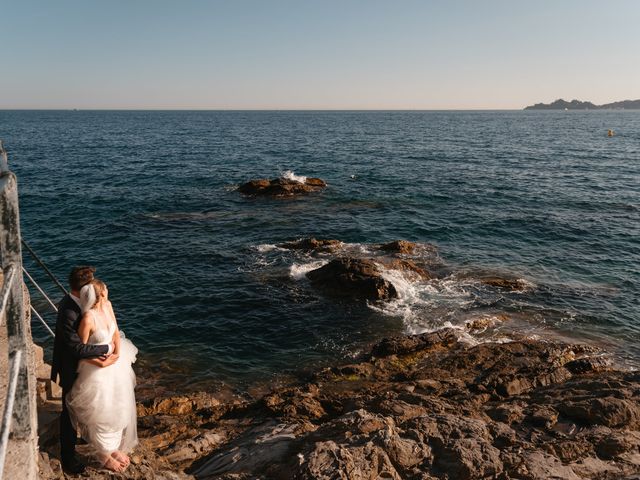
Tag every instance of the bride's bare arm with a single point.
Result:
(85, 328)
(84, 332)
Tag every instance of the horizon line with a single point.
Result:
(131, 109)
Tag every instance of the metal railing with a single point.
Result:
(41, 291)
(19, 417)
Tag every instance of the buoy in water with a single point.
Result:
(610, 133)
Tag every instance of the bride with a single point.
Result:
(102, 404)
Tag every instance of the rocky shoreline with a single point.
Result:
(443, 405)
(429, 406)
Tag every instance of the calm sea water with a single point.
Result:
(149, 199)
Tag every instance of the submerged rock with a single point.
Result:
(312, 244)
(513, 284)
(281, 187)
(353, 277)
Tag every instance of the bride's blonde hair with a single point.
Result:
(99, 287)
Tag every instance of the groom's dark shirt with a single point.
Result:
(68, 348)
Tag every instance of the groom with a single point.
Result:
(68, 349)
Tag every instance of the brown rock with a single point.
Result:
(509, 413)
(461, 446)
(281, 187)
(608, 411)
(399, 246)
(178, 405)
(352, 277)
(617, 443)
(329, 461)
(589, 364)
(316, 182)
(405, 266)
(407, 344)
(310, 244)
(480, 324)
(540, 466)
(513, 284)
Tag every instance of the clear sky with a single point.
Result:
(324, 54)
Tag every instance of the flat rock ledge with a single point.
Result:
(422, 407)
(281, 187)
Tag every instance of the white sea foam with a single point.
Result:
(297, 271)
(266, 247)
(423, 305)
(289, 175)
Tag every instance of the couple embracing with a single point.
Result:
(93, 360)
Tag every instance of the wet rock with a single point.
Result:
(408, 344)
(480, 324)
(513, 284)
(589, 364)
(399, 246)
(281, 187)
(353, 277)
(312, 244)
(406, 266)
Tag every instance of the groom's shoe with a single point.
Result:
(73, 466)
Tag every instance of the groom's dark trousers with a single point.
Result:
(67, 350)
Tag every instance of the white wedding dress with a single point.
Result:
(102, 403)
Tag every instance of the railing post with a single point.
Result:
(24, 423)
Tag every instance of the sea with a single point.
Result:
(200, 285)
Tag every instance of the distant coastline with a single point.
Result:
(561, 104)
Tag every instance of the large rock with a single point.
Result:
(281, 187)
(353, 277)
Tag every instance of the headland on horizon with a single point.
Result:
(562, 104)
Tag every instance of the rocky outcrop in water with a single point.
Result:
(512, 284)
(399, 246)
(353, 277)
(312, 245)
(281, 187)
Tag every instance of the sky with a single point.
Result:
(308, 54)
